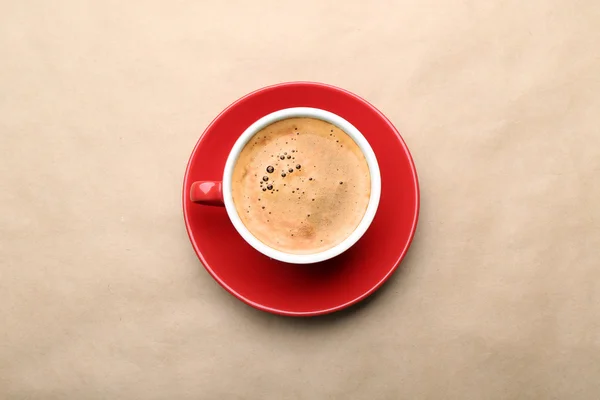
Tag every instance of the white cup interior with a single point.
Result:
(351, 131)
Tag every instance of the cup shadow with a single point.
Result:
(322, 321)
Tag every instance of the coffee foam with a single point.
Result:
(301, 185)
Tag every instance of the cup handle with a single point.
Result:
(209, 193)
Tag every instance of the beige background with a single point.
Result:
(102, 297)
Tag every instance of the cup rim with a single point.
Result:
(350, 130)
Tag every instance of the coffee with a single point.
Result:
(301, 185)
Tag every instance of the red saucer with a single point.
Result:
(303, 290)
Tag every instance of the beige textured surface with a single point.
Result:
(102, 297)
